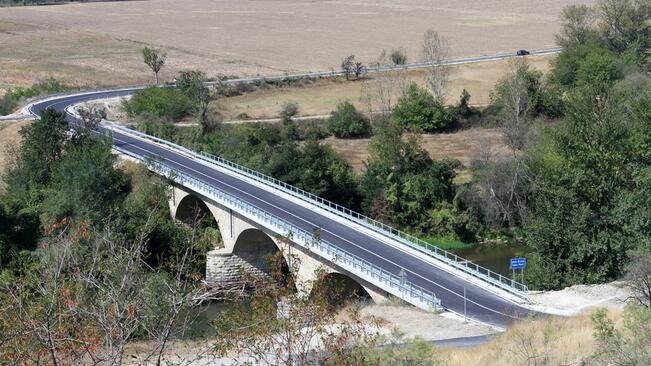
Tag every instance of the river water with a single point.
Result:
(495, 257)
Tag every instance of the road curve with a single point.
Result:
(479, 304)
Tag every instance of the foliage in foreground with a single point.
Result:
(629, 344)
(91, 258)
(280, 326)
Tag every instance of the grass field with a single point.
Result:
(99, 43)
(462, 145)
(322, 96)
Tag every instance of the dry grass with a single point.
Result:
(569, 341)
(78, 59)
(99, 43)
(463, 146)
(322, 96)
(9, 137)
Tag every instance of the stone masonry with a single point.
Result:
(246, 246)
(226, 268)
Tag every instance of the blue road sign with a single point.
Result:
(518, 263)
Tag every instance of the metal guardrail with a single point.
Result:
(459, 263)
(400, 287)
(385, 68)
(309, 75)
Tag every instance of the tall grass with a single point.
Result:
(547, 341)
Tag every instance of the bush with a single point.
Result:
(627, 344)
(347, 122)
(162, 102)
(417, 109)
(10, 100)
(288, 110)
(7, 104)
(399, 56)
(588, 64)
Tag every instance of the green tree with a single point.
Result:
(599, 68)
(86, 184)
(417, 109)
(7, 104)
(463, 108)
(402, 184)
(155, 59)
(163, 102)
(624, 25)
(347, 122)
(321, 171)
(577, 23)
(582, 182)
(43, 145)
(192, 84)
(348, 66)
(314, 167)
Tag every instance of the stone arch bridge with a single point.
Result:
(247, 248)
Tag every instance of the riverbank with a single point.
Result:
(572, 341)
(579, 298)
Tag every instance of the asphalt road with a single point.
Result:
(479, 304)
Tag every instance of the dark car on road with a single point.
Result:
(522, 53)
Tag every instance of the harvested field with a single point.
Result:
(321, 97)
(99, 43)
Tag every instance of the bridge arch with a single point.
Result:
(262, 253)
(338, 288)
(246, 247)
(192, 210)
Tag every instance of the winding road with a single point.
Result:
(480, 303)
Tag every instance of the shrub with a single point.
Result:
(7, 104)
(399, 56)
(417, 109)
(463, 108)
(289, 110)
(162, 102)
(347, 122)
(10, 100)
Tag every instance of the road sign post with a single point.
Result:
(518, 263)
